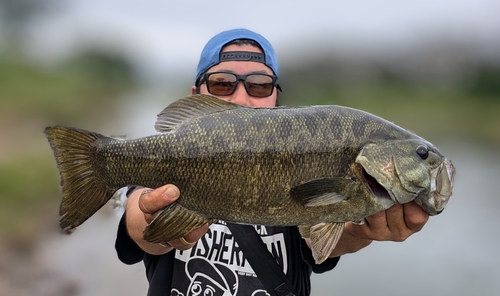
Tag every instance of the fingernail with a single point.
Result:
(146, 191)
(171, 193)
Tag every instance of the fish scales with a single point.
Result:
(271, 166)
(257, 151)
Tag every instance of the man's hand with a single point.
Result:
(143, 206)
(395, 224)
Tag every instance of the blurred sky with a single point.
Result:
(167, 36)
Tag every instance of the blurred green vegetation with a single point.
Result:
(28, 194)
(84, 88)
(64, 92)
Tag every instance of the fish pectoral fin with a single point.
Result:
(173, 222)
(188, 108)
(324, 238)
(320, 192)
(324, 200)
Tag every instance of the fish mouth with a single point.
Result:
(376, 188)
(441, 189)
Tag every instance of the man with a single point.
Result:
(239, 66)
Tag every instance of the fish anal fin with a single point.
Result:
(189, 108)
(321, 191)
(173, 222)
(324, 238)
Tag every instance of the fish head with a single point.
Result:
(442, 178)
(410, 169)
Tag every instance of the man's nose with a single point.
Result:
(240, 95)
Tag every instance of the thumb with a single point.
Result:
(152, 201)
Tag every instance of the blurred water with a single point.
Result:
(455, 254)
(87, 259)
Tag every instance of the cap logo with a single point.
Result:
(242, 56)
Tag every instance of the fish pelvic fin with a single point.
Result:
(83, 191)
(173, 222)
(188, 108)
(323, 238)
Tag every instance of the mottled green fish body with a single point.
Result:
(271, 166)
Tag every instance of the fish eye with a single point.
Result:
(422, 151)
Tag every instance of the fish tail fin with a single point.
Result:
(173, 222)
(83, 191)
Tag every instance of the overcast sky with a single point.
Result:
(170, 34)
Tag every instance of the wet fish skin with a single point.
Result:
(271, 166)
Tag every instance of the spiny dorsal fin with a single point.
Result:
(188, 108)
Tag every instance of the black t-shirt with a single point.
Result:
(216, 266)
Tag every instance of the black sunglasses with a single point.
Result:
(225, 83)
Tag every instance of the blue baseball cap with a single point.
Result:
(211, 54)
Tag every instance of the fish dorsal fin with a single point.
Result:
(188, 108)
(320, 192)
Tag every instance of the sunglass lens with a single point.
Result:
(221, 84)
(259, 85)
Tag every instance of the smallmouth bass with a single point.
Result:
(316, 167)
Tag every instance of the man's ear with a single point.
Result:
(195, 90)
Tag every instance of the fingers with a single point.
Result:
(415, 216)
(374, 228)
(395, 224)
(151, 201)
(396, 230)
(190, 239)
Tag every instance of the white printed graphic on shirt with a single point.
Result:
(216, 265)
